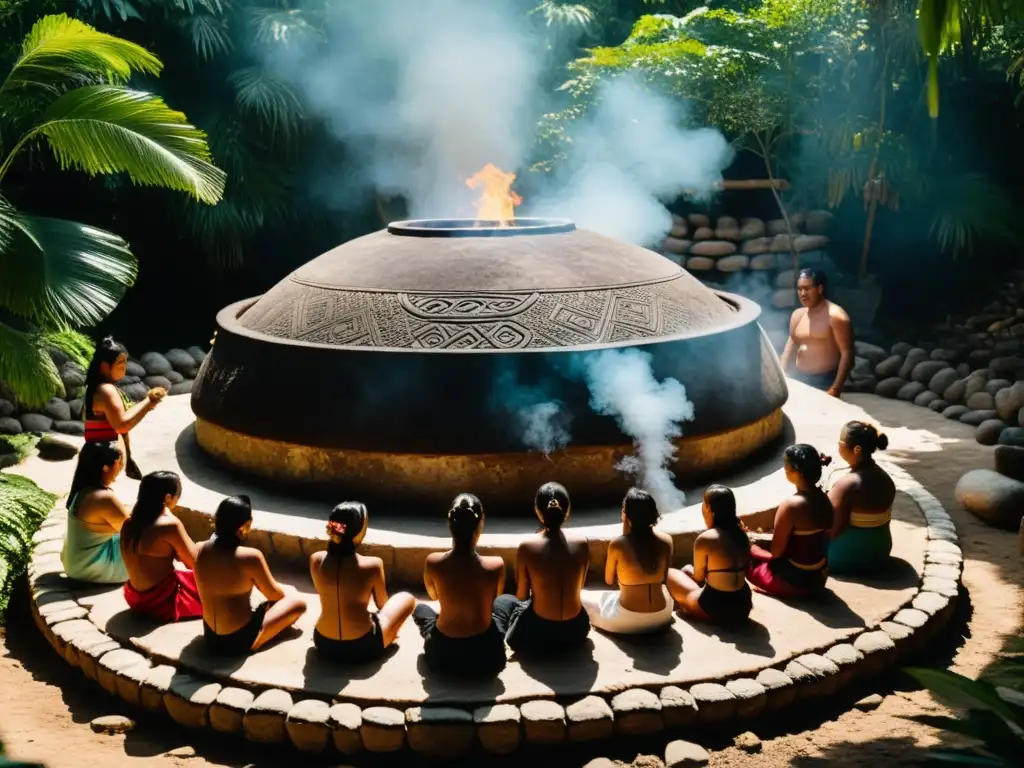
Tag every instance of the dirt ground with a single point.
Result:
(45, 708)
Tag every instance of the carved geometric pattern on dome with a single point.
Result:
(481, 321)
(456, 308)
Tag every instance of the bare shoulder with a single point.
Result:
(493, 563)
(708, 537)
(249, 555)
(617, 544)
(837, 313)
(370, 563)
(797, 316)
(847, 482)
(317, 558)
(435, 557)
(664, 537)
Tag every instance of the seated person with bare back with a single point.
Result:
(92, 549)
(546, 614)
(151, 539)
(227, 572)
(798, 561)
(465, 639)
(820, 337)
(715, 587)
(862, 499)
(347, 631)
(638, 560)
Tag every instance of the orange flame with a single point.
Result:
(497, 200)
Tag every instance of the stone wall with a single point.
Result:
(174, 370)
(750, 256)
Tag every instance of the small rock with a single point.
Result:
(925, 399)
(925, 370)
(1010, 461)
(712, 248)
(1013, 436)
(942, 380)
(180, 360)
(135, 392)
(910, 362)
(112, 724)
(748, 742)
(995, 498)
(889, 387)
(155, 363)
(6, 408)
(134, 369)
(900, 348)
(700, 263)
(35, 422)
(76, 428)
(182, 752)
(995, 385)
(734, 263)
(955, 392)
(1009, 400)
(988, 431)
(72, 375)
(909, 391)
(974, 418)
(174, 377)
(869, 702)
(76, 406)
(874, 355)
(197, 354)
(889, 367)
(954, 412)
(181, 388)
(938, 405)
(10, 426)
(685, 753)
(981, 401)
(602, 762)
(56, 448)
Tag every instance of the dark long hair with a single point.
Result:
(806, 460)
(232, 513)
(642, 512)
(149, 505)
(859, 434)
(93, 457)
(346, 521)
(463, 519)
(722, 503)
(552, 504)
(107, 351)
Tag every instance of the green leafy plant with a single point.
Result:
(23, 507)
(68, 89)
(993, 721)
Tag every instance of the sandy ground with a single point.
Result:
(45, 708)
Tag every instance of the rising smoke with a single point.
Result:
(540, 419)
(422, 93)
(623, 386)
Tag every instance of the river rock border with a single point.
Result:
(315, 726)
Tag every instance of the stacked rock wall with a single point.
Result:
(174, 370)
(750, 256)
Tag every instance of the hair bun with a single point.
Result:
(554, 504)
(882, 441)
(825, 460)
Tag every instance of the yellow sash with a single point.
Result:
(870, 519)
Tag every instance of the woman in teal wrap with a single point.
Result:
(92, 545)
(862, 500)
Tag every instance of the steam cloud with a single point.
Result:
(623, 385)
(422, 94)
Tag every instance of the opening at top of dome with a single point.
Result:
(480, 228)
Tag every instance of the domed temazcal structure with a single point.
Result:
(381, 369)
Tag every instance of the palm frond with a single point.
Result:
(110, 9)
(23, 507)
(26, 367)
(75, 345)
(284, 25)
(107, 129)
(556, 14)
(968, 209)
(209, 35)
(59, 49)
(269, 99)
(60, 273)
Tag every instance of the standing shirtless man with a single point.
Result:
(821, 335)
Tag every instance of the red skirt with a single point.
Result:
(100, 431)
(173, 599)
(780, 577)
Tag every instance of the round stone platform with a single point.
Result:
(688, 677)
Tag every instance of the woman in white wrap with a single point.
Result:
(638, 561)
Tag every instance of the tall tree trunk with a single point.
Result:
(774, 186)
